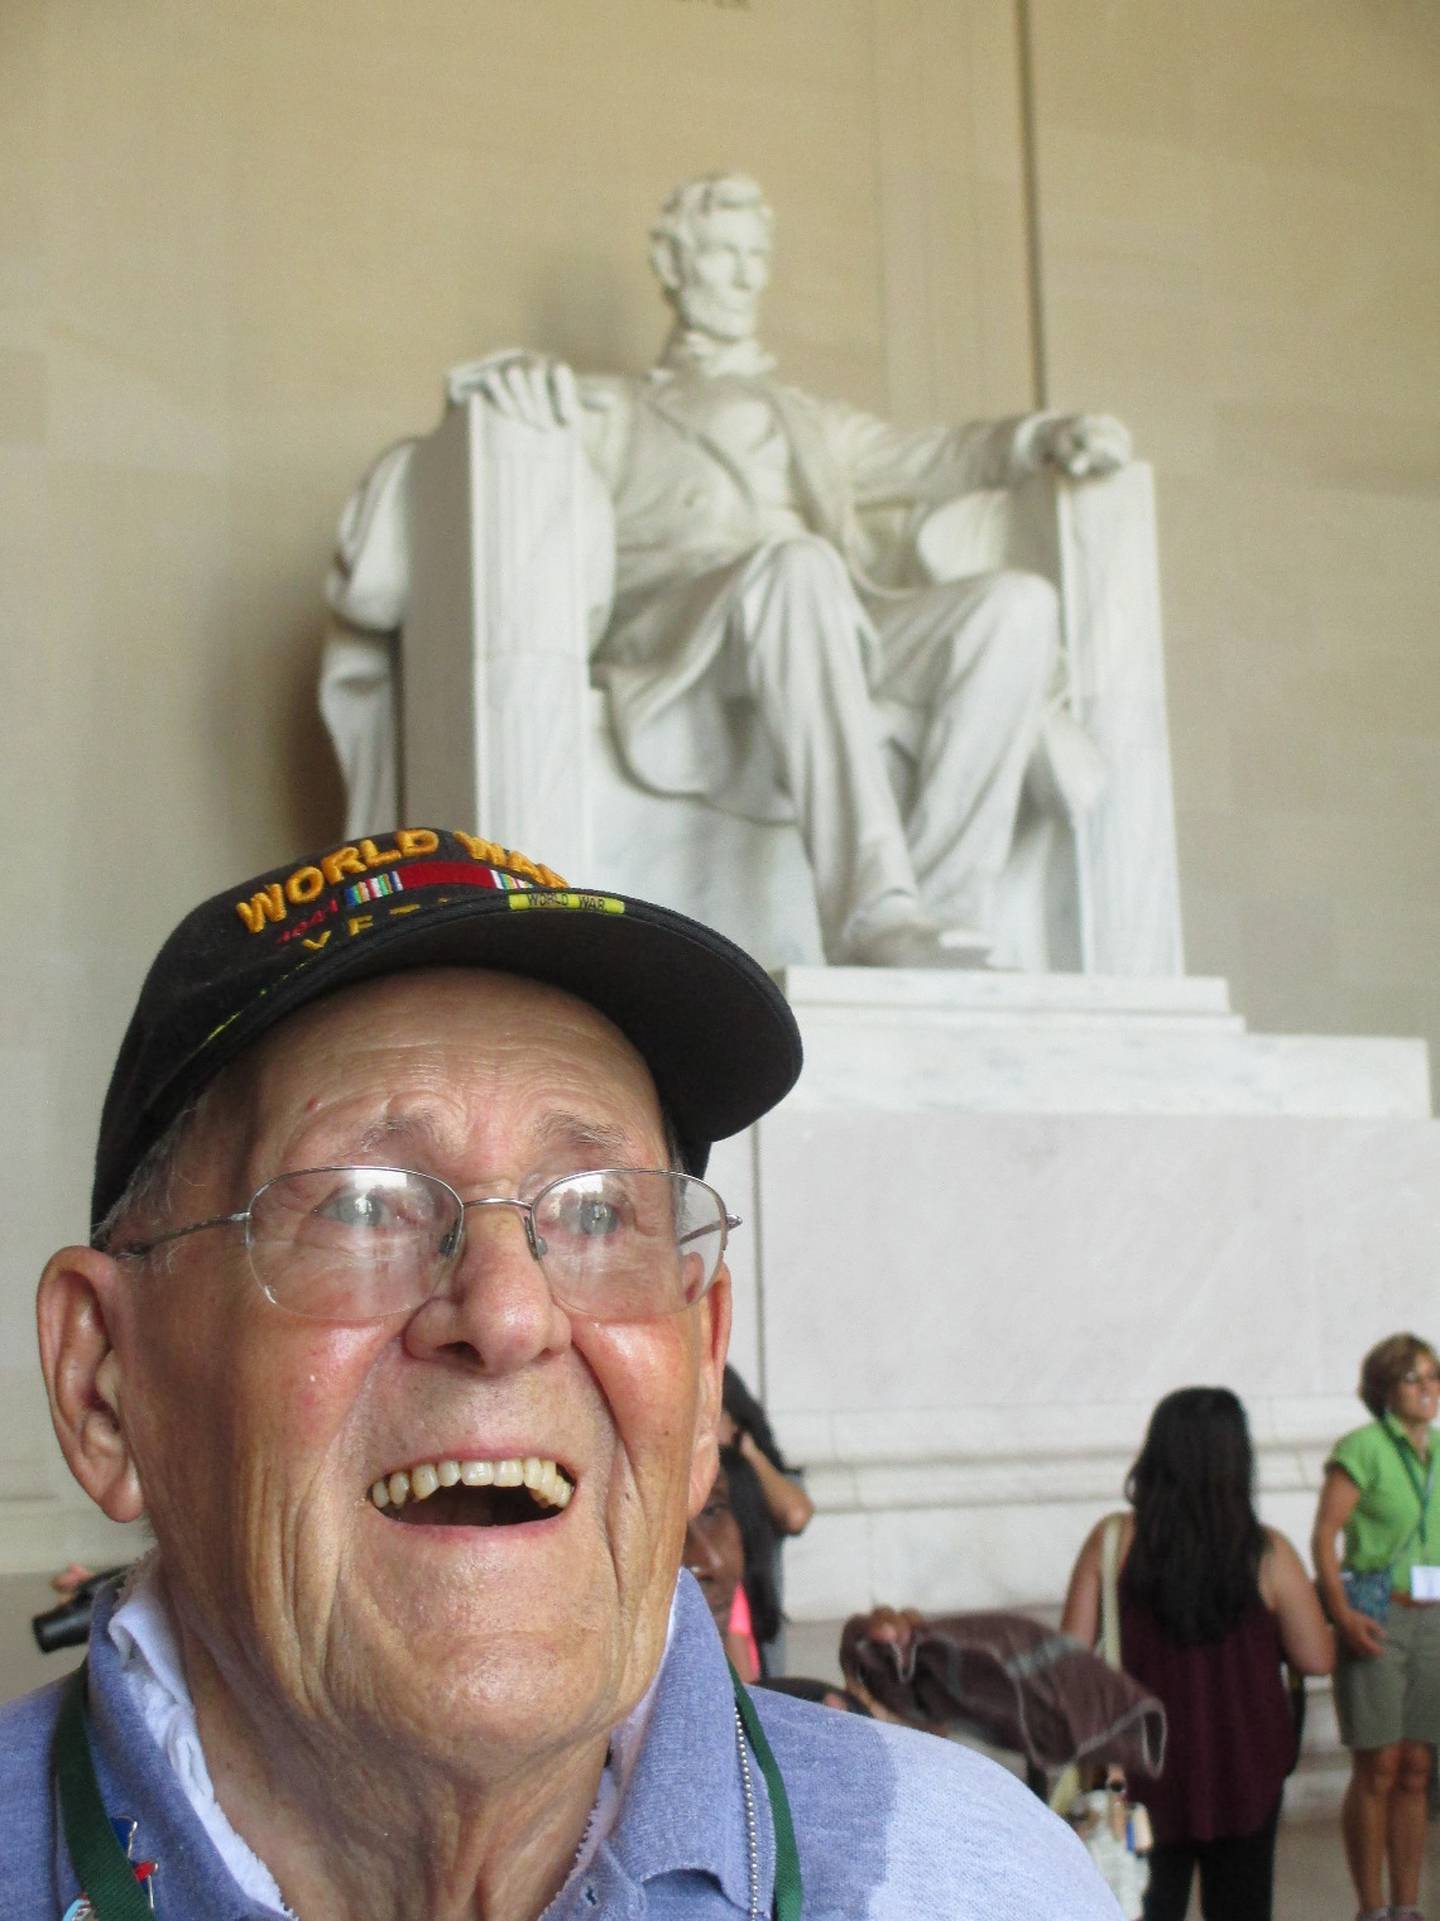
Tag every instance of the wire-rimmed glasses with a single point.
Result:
(354, 1244)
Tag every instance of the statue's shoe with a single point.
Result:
(920, 943)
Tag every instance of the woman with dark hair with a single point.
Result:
(1379, 1490)
(769, 1505)
(745, 1425)
(761, 1549)
(1210, 1603)
(714, 1553)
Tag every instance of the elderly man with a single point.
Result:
(770, 631)
(403, 1324)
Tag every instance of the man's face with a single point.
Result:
(1417, 1393)
(714, 1551)
(723, 272)
(259, 1434)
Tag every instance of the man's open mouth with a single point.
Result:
(473, 1493)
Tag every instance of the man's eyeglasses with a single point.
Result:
(1420, 1377)
(356, 1244)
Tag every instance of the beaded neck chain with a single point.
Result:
(752, 1835)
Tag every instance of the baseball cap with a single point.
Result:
(716, 1033)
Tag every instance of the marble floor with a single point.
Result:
(1310, 1879)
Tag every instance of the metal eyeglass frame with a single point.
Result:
(453, 1243)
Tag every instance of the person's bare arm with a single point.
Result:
(897, 1626)
(787, 1503)
(1081, 1618)
(1305, 1634)
(1338, 1499)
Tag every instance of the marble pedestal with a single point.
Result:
(1001, 1215)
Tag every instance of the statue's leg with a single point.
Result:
(802, 636)
(977, 657)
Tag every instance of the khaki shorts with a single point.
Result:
(1394, 1696)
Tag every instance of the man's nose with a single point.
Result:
(494, 1304)
(700, 1554)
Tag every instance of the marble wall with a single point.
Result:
(1239, 244)
(1000, 1217)
(965, 1422)
(239, 245)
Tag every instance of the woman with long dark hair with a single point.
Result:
(1211, 1602)
(769, 1504)
(1384, 1599)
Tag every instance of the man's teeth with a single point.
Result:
(547, 1482)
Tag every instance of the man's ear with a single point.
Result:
(84, 1378)
(714, 1312)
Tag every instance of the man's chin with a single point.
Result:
(483, 1707)
(497, 1671)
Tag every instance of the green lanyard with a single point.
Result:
(108, 1877)
(1422, 1495)
(105, 1870)
(788, 1891)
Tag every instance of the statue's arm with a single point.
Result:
(1081, 446)
(890, 465)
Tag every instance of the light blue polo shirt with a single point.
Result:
(891, 1825)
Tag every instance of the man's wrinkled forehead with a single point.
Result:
(323, 1054)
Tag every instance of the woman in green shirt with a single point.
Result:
(1385, 1602)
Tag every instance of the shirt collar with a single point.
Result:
(684, 1809)
(136, 1778)
(671, 1800)
(142, 1632)
(1391, 1420)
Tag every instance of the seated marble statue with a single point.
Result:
(766, 625)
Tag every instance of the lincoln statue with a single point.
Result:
(765, 630)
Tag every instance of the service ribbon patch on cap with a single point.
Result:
(365, 872)
(575, 903)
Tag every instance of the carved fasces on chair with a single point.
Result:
(512, 544)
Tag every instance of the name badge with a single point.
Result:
(1425, 1583)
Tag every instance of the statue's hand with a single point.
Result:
(1085, 445)
(523, 386)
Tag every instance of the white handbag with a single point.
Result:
(1116, 1830)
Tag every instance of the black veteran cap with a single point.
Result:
(714, 1030)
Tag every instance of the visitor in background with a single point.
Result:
(769, 1504)
(1379, 1489)
(714, 1553)
(1210, 1604)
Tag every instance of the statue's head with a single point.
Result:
(710, 249)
